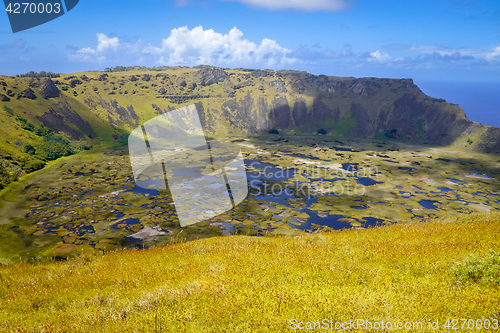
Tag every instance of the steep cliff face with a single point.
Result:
(99, 109)
(368, 107)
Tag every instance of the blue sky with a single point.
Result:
(443, 40)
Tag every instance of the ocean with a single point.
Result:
(480, 100)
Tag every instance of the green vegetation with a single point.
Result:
(39, 75)
(322, 131)
(51, 148)
(420, 127)
(391, 134)
(7, 176)
(25, 124)
(35, 145)
(424, 141)
(485, 271)
(119, 69)
(9, 111)
(33, 165)
(274, 131)
(254, 284)
(345, 125)
(48, 147)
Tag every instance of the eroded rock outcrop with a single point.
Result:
(330, 86)
(299, 87)
(261, 73)
(181, 82)
(208, 76)
(279, 85)
(73, 83)
(61, 118)
(50, 90)
(28, 93)
(364, 87)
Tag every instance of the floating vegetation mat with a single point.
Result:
(297, 184)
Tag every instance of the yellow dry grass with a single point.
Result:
(396, 274)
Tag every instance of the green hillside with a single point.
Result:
(43, 119)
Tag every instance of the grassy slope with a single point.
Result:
(250, 284)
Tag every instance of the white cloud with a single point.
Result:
(442, 51)
(86, 54)
(378, 56)
(198, 46)
(495, 53)
(304, 5)
(17, 44)
(105, 46)
(488, 54)
(435, 56)
(191, 47)
(106, 43)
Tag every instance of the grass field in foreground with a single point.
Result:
(258, 284)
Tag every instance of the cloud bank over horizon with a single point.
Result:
(187, 47)
(199, 46)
